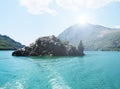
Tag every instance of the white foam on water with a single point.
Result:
(19, 85)
(56, 81)
(13, 85)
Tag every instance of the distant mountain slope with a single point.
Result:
(6, 43)
(95, 37)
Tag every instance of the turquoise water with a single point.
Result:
(96, 70)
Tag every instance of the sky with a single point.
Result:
(26, 20)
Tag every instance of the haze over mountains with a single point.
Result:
(94, 37)
(7, 43)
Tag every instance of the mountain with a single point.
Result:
(6, 43)
(94, 37)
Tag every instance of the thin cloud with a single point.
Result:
(78, 4)
(37, 7)
(118, 26)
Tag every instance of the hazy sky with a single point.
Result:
(26, 20)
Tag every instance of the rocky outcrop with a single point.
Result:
(48, 46)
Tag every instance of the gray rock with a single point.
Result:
(48, 46)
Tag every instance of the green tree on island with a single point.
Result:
(81, 48)
(66, 42)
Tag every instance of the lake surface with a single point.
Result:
(96, 70)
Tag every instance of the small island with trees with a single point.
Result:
(50, 46)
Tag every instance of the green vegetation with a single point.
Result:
(66, 42)
(6, 43)
(80, 46)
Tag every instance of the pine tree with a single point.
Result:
(81, 48)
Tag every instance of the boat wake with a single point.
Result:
(13, 85)
(56, 80)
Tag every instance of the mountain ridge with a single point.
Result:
(95, 37)
(7, 43)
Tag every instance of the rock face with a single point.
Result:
(48, 46)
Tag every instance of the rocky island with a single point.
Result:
(49, 46)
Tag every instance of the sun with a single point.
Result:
(83, 19)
